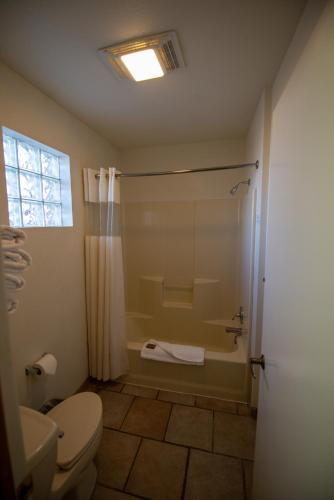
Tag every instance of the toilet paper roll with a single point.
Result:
(46, 365)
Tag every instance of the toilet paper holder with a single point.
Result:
(32, 370)
(45, 365)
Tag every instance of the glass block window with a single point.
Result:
(38, 183)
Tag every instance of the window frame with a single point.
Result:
(63, 178)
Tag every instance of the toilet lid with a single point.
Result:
(78, 419)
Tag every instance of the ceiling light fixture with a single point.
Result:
(145, 58)
(143, 65)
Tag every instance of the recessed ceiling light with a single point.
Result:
(145, 58)
(143, 65)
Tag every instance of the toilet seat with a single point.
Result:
(79, 420)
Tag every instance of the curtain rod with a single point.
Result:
(187, 171)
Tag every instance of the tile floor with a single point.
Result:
(162, 445)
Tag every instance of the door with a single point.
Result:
(294, 456)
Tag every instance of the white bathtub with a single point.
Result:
(224, 374)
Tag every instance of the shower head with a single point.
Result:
(235, 188)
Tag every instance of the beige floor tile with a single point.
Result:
(176, 397)
(248, 474)
(213, 477)
(216, 404)
(190, 427)
(112, 386)
(148, 418)
(115, 407)
(143, 392)
(102, 493)
(158, 471)
(89, 386)
(115, 457)
(234, 435)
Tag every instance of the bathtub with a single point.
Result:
(224, 374)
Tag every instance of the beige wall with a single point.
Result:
(181, 187)
(51, 314)
(192, 246)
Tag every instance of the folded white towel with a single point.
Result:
(16, 260)
(11, 237)
(12, 304)
(13, 282)
(188, 353)
(173, 353)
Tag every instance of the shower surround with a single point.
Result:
(182, 266)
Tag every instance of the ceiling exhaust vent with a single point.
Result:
(145, 58)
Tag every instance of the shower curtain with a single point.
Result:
(104, 276)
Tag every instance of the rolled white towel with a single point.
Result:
(13, 282)
(11, 237)
(16, 260)
(12, 304)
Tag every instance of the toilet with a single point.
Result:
(60, 447)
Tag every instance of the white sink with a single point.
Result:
(39, 435)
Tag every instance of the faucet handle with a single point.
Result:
(240, 315)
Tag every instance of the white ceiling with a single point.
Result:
(232, 49)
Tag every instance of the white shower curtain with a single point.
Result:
(104, 276)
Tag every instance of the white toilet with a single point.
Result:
(60, 447)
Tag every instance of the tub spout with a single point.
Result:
(232, 329)
(237, 332)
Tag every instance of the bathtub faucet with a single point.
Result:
(240, 314)
(237, 332)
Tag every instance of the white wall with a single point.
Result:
(51, 315)
(294, 452)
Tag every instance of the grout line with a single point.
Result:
(195, 405)
(165, 389)
(176, 403)
(113, 488)
(128, 410)
(185, 475)
(132, 464)
(216, 453)
(164, 441)
(178, 444)
(138, 395)
(171, 442)
(243, 479)
(231, 456)
(168, 420)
